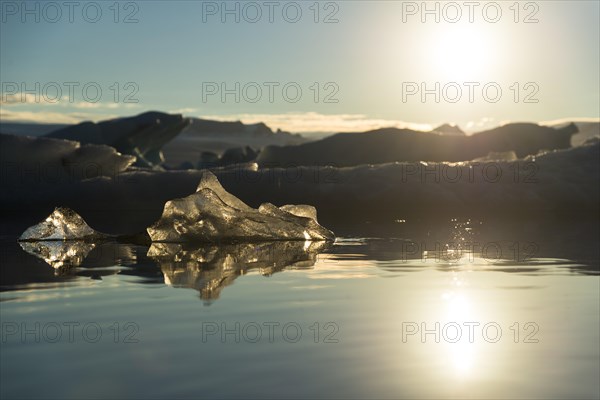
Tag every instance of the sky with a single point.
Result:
(302, 66)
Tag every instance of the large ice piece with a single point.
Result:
(212, 214)
(62, 224)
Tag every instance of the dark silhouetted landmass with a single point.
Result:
(214, 138)
(392, 144)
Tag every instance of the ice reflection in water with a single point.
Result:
(209, 268)
(59, 254)
(379, 285)
(447, 284)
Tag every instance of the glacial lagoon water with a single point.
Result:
(362, 318)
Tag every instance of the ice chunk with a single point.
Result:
(210, 268)
(212, 214)
(142, 135)
(59, 254)
(57, 161)
(301, 210)
(62, 224)
(499, 156)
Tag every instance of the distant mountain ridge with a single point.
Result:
(205, 140)
(210, 136)
(197, 127)
(449, 130)
(200, 135)
(207, 127)
(405, 145)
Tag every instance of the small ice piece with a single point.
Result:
(212, 214)
(62, 224)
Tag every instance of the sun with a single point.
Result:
(459, 52)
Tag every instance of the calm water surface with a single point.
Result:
(364, 318)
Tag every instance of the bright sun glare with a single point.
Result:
(460, 52)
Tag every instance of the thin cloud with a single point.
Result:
(184, 111)
(51, 117)
(481, 124)
(86, 105)
(21, 99)
(562, 121)
(312, 122)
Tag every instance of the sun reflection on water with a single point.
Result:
(460, 354)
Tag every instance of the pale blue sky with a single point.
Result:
(368, 55)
